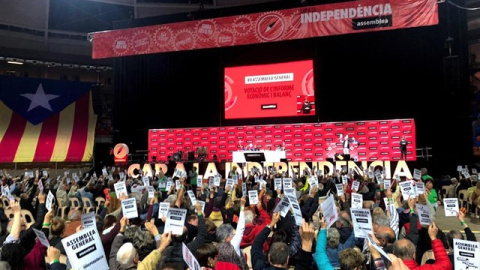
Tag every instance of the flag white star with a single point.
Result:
(40, 99)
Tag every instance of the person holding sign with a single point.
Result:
(251, 229)
(175, 252)
(456, 234)
(405, 250)
(229, 240)
(125, 255)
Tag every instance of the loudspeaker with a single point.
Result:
(451, 74)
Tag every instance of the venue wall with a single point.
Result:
(405, 73)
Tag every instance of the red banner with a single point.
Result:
(369, 140)
(288, 24)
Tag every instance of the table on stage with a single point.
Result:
(270, 156)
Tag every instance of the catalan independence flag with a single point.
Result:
(44, 120)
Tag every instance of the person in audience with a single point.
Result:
(405, 250)
(334, 246)
(125, 256)
(475, 198)
(229, 240)
(456, 234)
(208, 258)
(75, 220)
(252, 229)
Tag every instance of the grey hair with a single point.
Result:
(74, 214)
(248, 216)
(125, 255)
(381, 220)
(333, 237)
(224, 231)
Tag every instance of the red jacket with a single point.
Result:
(251, 230)
(442, 262)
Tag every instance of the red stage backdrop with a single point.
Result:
(288, 24)
(375, 140)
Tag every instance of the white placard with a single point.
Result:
(129, 208)
(379, 177)
(253, 197)
(340, 191)
(329, 211)
(42, 237)
(151, 192)
(356, 185)
(229, 183)
(407, 189)
(417, 174)
(49, 200)
(474, 170)
(216, 181)
(177, 184)
(466, 254)
(175, 220)
(419, 188)
(40, 185)
(104, 171)
(163, 209)
(459, 168)
(189, 258)
(362, 222)
(312, 182)
(88, 220)
(287, 183)
(387, 184)
(277, 183)
(423, 214)
(344, 179)
(146, 181)
(244, 189)
(85, 250)
(169, 185)
(120, 188)
(357, 201)
(192, 197)
(296, 209)
(283, 206)
(45, 173)
(371, 175)
(210, 182)
(451, 207)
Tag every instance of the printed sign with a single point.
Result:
(163, 209)
(451, 207)
(129, 208)
(357, 200)
(466, 254)
(120, 188)
(329, 211)
(88, 220)
(85, 250)
(175, 220)
(253, 197)
(423, 214)
(49, 200)
(362, 222)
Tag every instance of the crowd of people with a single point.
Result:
(240, 224)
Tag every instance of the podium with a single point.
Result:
(257, 156)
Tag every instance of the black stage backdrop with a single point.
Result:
(369, 76)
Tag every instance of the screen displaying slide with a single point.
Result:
(273, 90)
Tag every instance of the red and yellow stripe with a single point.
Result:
(66, 136)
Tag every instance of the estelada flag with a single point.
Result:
(44, 120)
